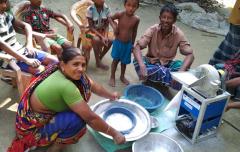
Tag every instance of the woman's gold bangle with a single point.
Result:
(108, 129)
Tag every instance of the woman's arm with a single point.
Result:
(101, 91)
(94, 121)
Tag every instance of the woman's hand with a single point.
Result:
(101, 91)
(95, 121)
(118, 138)
(114, 96)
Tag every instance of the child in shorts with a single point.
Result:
(125, 31)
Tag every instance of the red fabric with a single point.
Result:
(21, 145)
(28, 122)
(230, 66)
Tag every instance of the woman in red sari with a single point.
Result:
(54, 110)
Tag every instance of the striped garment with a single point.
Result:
(157, 72)
(7, 32)
(228, 52)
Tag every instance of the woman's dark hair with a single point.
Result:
(170, 8)
(69, 53)
(125, 1)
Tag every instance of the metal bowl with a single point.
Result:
(124, 121)
(156, 142)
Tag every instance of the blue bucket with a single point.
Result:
(148, 97)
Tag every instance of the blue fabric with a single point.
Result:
(40, 55)
(121, 51)
(157, 72)
(65, 124)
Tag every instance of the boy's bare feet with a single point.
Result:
(112, 82)
(124, 80)
(102, 66)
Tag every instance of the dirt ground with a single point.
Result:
(203, 44)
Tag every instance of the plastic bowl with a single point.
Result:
(148, 97)
(125, 113)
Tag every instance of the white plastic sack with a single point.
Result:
(175, 102)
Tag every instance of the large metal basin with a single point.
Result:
(156, 142)
(142, 119)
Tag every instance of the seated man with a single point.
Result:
(28, 58)
(39, 18)
(227, 56)
(163, 40)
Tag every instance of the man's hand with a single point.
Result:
(33, 62)
(143, 72)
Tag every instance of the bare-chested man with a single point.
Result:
(125, 31)
(163, 40)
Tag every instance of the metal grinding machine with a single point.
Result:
(202, 103)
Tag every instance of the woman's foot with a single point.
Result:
(124, 80)
(112, 82)
(102, 66)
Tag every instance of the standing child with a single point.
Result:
(39, 18)
(125, 31)
(98, 15)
